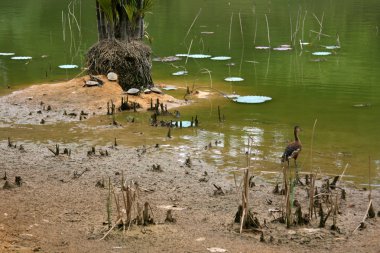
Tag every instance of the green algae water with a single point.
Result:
(340, 90)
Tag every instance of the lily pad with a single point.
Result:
(68, 66)
(206, 32)
(185, 123)
(321, 53)
(21, 58)
(7, 54)
(304, 43)
(169, 88)
(180, 73)
(252, 99)
(362, 105)
(199, 56)
(231, 96)
(281, 48)
(182, 55)
(332, 47)
(262, 47)
(233, 79)
(221, 58)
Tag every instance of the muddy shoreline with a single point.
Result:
(71, 101)
(56, 211)
(59, 206)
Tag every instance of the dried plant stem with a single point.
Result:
(303, 25)
(365, 216)
(229, 37)
(109, 231)
(192, 24)
(254, 37)
(369, 178)
(109, 204)
(266, 19)
(311, 146)
(188, 51)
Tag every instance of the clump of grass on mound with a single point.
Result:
(130, 60)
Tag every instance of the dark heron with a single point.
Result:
(292, 150)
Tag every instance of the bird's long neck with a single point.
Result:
(296, 138)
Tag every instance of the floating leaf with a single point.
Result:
(185, 123)
(206, 32)
(362, 105)
(221, 58)
(68, 66)
(180, 73)
(304, 43)
(182, 55)
(231, 96)
(233, 79)
(7, 54)
(21, 57)
(331, 47)
(255, 62)
(286, 46)
(199, 56)
(252, 99)
(322, 53)
(262, 47)
(281, 48)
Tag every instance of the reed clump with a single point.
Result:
(131, 61)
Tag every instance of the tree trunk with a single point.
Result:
(101, 23)
(139, 26)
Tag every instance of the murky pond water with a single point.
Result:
(340, 90)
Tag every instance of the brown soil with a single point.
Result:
(59, 208)
(30, 105)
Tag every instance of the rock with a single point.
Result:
(90, 83)
(156, 90)
(112, 76)
(133, 91)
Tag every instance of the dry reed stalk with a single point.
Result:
(109, 231)
(364, 218)
(369, 178)
(291, 28)
(254, 37)
(188, 51)
(116, 203)
(191, 26)
(242, 38)
(245, 200)
(229, 37)
(266, 19)
(109, 204)
(320, 22)
(303, 25)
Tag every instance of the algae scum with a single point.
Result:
(313, 61)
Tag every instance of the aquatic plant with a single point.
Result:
(252, 99)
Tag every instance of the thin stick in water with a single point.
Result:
(191, 26)
(229, 37)
(266, 19)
